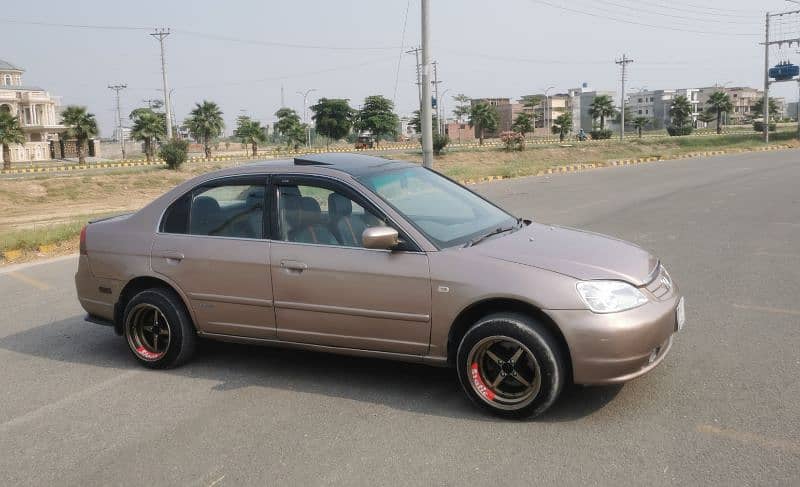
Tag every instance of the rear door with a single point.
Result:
(212, 244)
(331, 291)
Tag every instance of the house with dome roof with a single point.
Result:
(37, 112)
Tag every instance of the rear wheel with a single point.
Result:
(158, 329)
(510, 365)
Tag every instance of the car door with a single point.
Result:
(212, 244)
(331, 291)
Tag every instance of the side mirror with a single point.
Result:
(383, 238)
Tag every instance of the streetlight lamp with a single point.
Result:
(305, 94)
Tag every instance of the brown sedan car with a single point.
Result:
(365, 256)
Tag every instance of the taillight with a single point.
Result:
(83, 240)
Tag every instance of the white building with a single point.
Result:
(37, 112)
(655, 105)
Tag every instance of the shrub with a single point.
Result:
(675, 130)
(758, 126)
(600, 134)
(174, 153)
(513, 140)
(440, 141)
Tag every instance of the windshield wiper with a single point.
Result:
(496, 231)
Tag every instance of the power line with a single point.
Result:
(702, 10)
(670, 15)
(72, 26)
(400, 56)
(642, 24)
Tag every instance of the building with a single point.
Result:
(793, 110)
(506, 112)
(655, 105)
(581, 100)
(37, 112)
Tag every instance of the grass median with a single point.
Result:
(50, 210)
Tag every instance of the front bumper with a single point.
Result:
(617, 347)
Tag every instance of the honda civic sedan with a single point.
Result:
(365, 256)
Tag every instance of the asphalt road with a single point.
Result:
(724, 407)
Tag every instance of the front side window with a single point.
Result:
(318, 215)
(448, 214)
(234, 210)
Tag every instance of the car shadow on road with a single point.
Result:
(409, 387)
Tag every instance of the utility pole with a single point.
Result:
(797, 107)
(436, 94)
(283, 98)
(415, 52)
(162, 34)
(624, 62)
(304, 94)
(425, 113)
(120, 134)
(766, 80)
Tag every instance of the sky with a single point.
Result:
(239, 53)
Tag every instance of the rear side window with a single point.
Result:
(233, 210)
(176, 218)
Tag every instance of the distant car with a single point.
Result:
(364, 256)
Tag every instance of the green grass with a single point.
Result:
(32, 238)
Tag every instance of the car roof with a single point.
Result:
(356, 165)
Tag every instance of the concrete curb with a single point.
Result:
(625, 162)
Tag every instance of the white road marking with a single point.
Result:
(769, 309)
(42, 286)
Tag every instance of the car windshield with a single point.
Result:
(448, 214)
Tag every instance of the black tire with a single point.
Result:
(181, 338)
(538, 351)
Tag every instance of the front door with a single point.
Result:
(212, 245)
(331, 291)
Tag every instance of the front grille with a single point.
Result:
(661, 285)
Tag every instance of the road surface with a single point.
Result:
(723, 408)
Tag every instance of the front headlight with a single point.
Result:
(610, 296)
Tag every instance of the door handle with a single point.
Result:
(172, 256)
(294, 265)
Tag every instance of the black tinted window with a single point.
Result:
(176, 218)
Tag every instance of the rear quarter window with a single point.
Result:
(176, 218)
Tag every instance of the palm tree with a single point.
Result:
(251, 132)
(639, 123)
(148, 127)
(205, 124)
(720, 102)
(483, 117)
(680, 110)
(10, 133)
(522, 124)
(562, 125)
(81, 125)
(601, 108)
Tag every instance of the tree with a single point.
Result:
(707, 116)
(719, 102)
(174, 153)
(149, 127)
(10, 133)
(377, 116)
(462, 106)
(640, 123)
(290, 127)
(601, 108)
(758, 108)
(522, 124)
(205, 124)
(680, 111)
(416, 123)
(562, 125)
(81, 126)
(333, 118)
(250, 132)
(483, 117)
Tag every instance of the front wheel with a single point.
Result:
(510, 365)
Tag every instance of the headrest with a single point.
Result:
(339, 205)
(311, 214)
(204, 207)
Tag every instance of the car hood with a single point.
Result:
(576, 253)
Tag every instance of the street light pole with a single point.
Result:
(305, 94)
(425, 109)
(442, 115)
